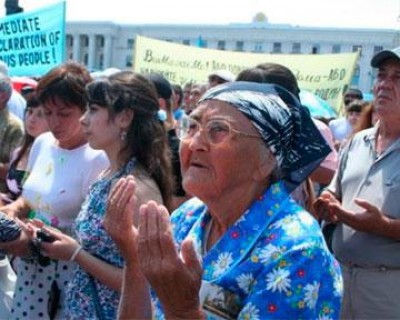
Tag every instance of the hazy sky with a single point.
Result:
(324, 13)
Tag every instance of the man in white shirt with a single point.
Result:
(341, 127)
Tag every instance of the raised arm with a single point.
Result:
(175, 278)
(135, 300)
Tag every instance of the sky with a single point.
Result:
(371, 14)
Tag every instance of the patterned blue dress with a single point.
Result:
(87, 297)
(272, 263)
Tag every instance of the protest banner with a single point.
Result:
(326, 75)
(31, 43)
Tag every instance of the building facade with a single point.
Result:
(101, 45)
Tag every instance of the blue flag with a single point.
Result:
(32, 43)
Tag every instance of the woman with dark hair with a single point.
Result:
(61, 167)
(35, 125)
(121, 119)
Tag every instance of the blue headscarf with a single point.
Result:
(283, 123)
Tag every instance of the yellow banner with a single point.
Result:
(326, 75)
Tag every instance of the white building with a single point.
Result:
(100, 45)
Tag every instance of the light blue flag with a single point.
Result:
(32, 43)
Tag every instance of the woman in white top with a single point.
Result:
(61, 168)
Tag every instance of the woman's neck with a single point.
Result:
(226, 210)
(116, 160)
(72, 144)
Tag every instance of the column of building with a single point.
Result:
(108, 46)
(91, 52)
(76, 46)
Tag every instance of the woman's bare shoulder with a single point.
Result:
(146, 187)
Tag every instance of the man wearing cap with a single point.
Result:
(363, 199)
(219, 77)
(341, 128)
(11, 129)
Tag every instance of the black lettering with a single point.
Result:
(149, 56)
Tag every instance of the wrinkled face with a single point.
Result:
(63, 122)
(101, 131)
(35, 121)
(195, 94)
(210, 171)
(387, 90)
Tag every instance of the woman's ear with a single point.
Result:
(267, 164)
(125, 118)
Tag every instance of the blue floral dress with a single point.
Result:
(271, 264)
(87, 298)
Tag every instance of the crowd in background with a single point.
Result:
(123, 195)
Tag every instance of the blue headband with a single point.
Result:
(283, 123)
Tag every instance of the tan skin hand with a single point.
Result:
(119, 216)
(175, 279)
(62, 248)
(370, 220)
(322, 207)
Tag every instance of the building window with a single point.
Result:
(356, 77)
(85, 41)
(277, 47)
(239, 45)
(186, 42)
(86, 59)
(315, 49)
(128, 62)
(258, 47)
(377, 49)
(100, 41)
(336, 48)
(221, 45)
(101, 61)
(70, 41)
(130, 43)
(296, 47)
(357, 48)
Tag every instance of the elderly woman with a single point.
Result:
(242, 248)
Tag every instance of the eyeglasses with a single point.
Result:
(217, 131)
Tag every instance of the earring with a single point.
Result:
(122, 135)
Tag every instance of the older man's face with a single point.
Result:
(387, 89)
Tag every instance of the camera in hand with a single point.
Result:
(44, 236)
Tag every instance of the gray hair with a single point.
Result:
(5, 84)
(3, 68)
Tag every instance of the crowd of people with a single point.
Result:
(126, 196)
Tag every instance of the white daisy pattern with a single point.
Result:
(264, 271)
(286, 220)
(223, 263)
(270, 252)
(245, 281)
(249, 312)
(278, 280)
(293, 228)
(311, 294)
(338, 285)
